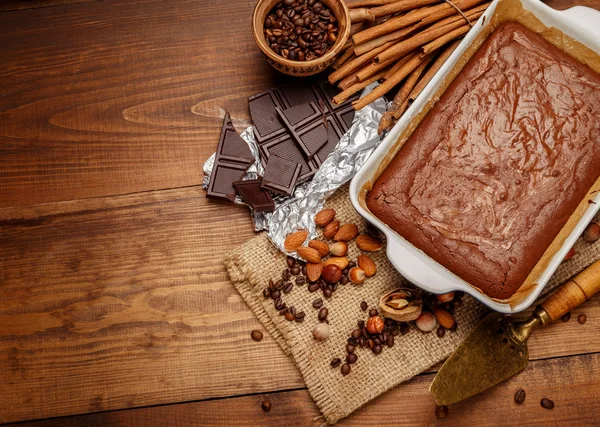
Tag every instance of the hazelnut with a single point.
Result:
(426, 321)
(339, 249)
(321, 331)
(375, 325)
(331, 273)
(592, 232)
(357, 275)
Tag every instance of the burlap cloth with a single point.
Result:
(254, 263)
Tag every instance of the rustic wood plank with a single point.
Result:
(575, 397)
(99, 99)
(84, 282)
(12, 5)
(121, 302)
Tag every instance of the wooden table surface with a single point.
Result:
(112, 291)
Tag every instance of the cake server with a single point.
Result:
(497, 348)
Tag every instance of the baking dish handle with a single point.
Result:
(585, 17)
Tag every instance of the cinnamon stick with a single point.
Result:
(366, 72)
(420, 39)
(343, 96)
(366, 3)
(431, 14)
(362, 15)
(400, 6)
(353, 65)
(344, 57)
(345, 83)
(397, 66)
(396, 35)
(441, 41)
(407, 88)
(392, 81)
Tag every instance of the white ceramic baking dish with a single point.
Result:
(580, 23)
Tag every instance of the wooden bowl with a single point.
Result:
(301, 68)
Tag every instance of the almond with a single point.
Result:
(444, 318)
(447, 297)
(324, 217)
(313, 271)
(295, 240)
(308, 254)
(368, 243)
(340, 261)
(357, 275)
(321, 247)
(367, 265)
(346, 233)
(330, 229)
(338, 249)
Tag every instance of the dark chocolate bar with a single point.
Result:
(334, 134)
(251, 192)
(232, 160)
(303, 125)
(264, 116)
(281, 175)
(285, 147)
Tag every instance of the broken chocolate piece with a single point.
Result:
(222, 178)
(231, 146)
(281, 175)
(264, 116)
(258, 198)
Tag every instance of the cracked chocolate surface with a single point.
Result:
(496, 168)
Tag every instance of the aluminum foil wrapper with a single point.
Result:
(298, 210)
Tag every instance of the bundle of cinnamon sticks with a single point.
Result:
(401, 43)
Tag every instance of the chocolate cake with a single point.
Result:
(497, 167)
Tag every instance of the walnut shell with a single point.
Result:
(401, 304)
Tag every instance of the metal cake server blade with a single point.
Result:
(497, 348)
(488, 356)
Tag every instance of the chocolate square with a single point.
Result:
(251, 192)
(334, 134)
(264, 116)
(281, 175)
(344, 117)
(329, 91)
(222, 178)
(301, 92)
(231, 146)
(286, 147)
(306, 126)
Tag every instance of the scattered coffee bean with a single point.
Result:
(345, 369)
(356, 333)
(279, 284)
(267, 293)
(373, 312)
(285, 274)
(390, 340)
(275, 294)
(327, 293)
(295, 270)
(350, 348)
(361, 324)
(441, 331)
(364, 306)
(313, 287)
(370, 344)
(377, 349)
(547, 403)
(441, 412)
(336, 362)
(266, 406)
(351, 358)
(289, 316)
(323, 312)
(282, 312)
(351, 264)
(256, 335)
(288, 288)
(300, 280)
(352, 341)
(293, 310)
(581, 318)
(520, 396)
(291, 261)
(565, 317)
(344, 280)
(318, 303)
(300, 316)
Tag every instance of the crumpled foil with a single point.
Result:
(297, 211)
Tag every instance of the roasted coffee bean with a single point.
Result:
(277, 302)
(361, 342)
(383, 336)
(364, 306)
(344, 280)
(566, 317)
(388, 321)
(300, 280)
(323, 312)
(275, 294)
(390, 340)
(441, 331)
(285, 274)
(373, 312)
(345, 271)
(366, 333)
(293, 310)
(361, 324)
(327, 293)
(266, 406)
(351, 264)
(304, 270)
(291, 261)
(336, 362)
(345, 369)
(356, 333)
(295, 270)
(256, 335)
(300, 315)
(282, 312)
(520, 396)
(351, 358)
(288, 287)
(279, 284)
(318, 303)
(394, 331)
(289, 316)
(377, 349)
(350, 348)
(333, 287)
(377, 341)
(547, 403)
(266, 293)
(581, 318)
(313, 287)
(271, 284)
(352, 341)
(292, 55)
(370, 344)
(441, 412)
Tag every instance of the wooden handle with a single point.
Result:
(574, 293)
